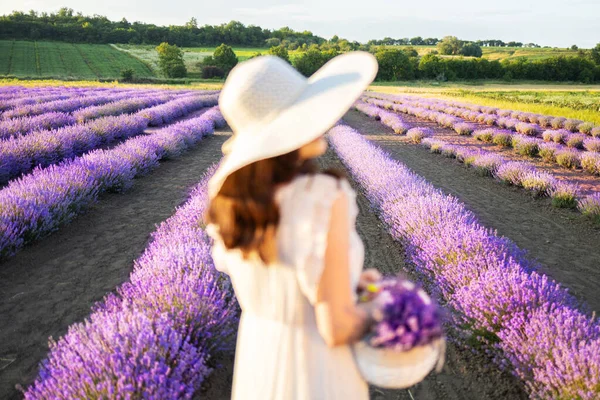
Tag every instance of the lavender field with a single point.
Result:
(108, 290)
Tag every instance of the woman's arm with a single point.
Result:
(339, 319)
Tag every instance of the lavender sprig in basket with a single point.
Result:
(406, 342)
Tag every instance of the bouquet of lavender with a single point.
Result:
(406, 340)
(407, 317)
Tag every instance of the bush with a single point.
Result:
(590, 206)
(547, 151)
(210, 71)
(525, 146)
(563, 195)
(502, 139)
(590, 162)
(540, 183)
(592, 144)
(449, 45)
(485, 135)
(586, 128)
(170, 61)
(224, 58)
(572, 124)
(394, 65)
(311, 60)
(567, 158)
(127, 74)
(417, 134)
(471, 50)
(280, 52)
(558, 122)
(527, 129)
(575, 141)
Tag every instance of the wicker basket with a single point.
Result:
(392, 369)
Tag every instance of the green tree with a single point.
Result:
(224, 58)
(170, 60)
(280, 52)
(449, 45)
(273, 42)
(127, 74)
(394, 65)
(471, 50)
(595, 54)
(312, 59)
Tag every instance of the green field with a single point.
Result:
(191, 55)
(66, 60)
(501, 53)
(565, 100)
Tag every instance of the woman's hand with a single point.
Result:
(368, 276)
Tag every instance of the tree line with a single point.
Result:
(313, 51)
(404, 64)
(68, 26)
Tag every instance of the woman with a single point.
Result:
(285, 234)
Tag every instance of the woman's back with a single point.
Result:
(280, 353)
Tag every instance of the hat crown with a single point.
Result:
(257, 89)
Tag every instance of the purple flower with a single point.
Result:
(408, 317)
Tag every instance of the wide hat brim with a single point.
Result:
(329, 93)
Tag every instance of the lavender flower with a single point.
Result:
(590, 205)
(417, 134)
(463, 128)
(590, 162)
(408, 317)
(550, 343)
(567, 158)
(540, 183)
(154, 337)
(514, 172)
(592, 144)
(36, 204)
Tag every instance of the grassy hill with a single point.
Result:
(66, 60)
(191, 55)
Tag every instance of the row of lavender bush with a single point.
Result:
(23, 125)
(567, 156)
(75, 103)
(19, 126)
(12, 99)
(42, 148)
(31, 94)
(158, 336)
(537, 328)
(529, 123)
(36, 204)
(520, 174)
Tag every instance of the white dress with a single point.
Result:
(280, 353)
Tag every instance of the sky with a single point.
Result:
(553, 23)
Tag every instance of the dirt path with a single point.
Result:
(563, 241)
(54, 282)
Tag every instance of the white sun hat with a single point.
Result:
(273, 109)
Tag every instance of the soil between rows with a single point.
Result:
(564, 242)
(52, 283)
